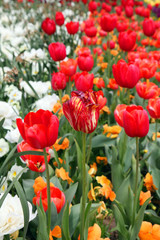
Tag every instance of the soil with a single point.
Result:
(114, 234)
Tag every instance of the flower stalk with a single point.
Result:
(48, 191)
(84, 183)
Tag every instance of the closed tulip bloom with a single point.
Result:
(149, 27)
(127, 40)
(147, 90)
(108, 22)
(122, 26)
(85, 62)
(129, 11)
(84, 81)
(48, 26)
(72, 27)
(39, 129)
(59, 18)
(34, 162)
(57, 51)
(126, 75)
(58, 81)
(57, 197)
(82, 111)
(154, 107)
(91, 31)
(68, 67)
(92, 6)
(135, 121)
(118, 113)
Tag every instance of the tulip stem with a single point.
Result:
(48, 191)
(84, 183)
(136, 179)
(109, 55)
(60, 96)
(156, 126)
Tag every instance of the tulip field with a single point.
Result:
(79, 119)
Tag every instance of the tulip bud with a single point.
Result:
(135, 121)
(82, 111)
(127, 40)
(126, 75)
(58, 81)
(57, 51)
(48, 26)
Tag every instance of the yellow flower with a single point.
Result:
(99, 159)
(148, 183)
(93, 170)
(63, 175)
(63, 145)
(111, 131)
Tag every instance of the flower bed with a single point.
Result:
(79, 118)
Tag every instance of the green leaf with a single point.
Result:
(42, 223)
(29, 191)
(54, 215)
(74, 218)
(151, 216)
(138, 221)
(101, 141)
(116, 170)
(120, 223)
(65, 223)
(95, 69)
(25, 207)
(56, 182)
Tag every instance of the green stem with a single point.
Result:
(136, 179)
(156, 126)
(84, 183)
(48, 192)
(90, 147)
(60, 96)
(109, 55)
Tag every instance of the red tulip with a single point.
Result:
(59, 18)
(85, 62)
(129, 11)
(154, 107)
(91, 31)
(126, 75)
(34, 162)
(57, 197)
(68, 67)
(122, 26)
(92, 6)
(118, 113)
(48, 26)
(149, 27)
(82, 111)
(107, 7)
(135, 121)
(58, 81)
(147, 90)
(84, 81)
(108, 22)
(147, 67)
(127, 40)
(57, 51)
(101, 99)
(72, 27)
(39, 129)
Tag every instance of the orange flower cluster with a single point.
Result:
(61, 173)
(56, 232)
(62, 146)
(149, 231)
(143, 197)
(100, 159)
(112, 132)
(105, 190)
(94, 233)
(148, 183)
(93, 170)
